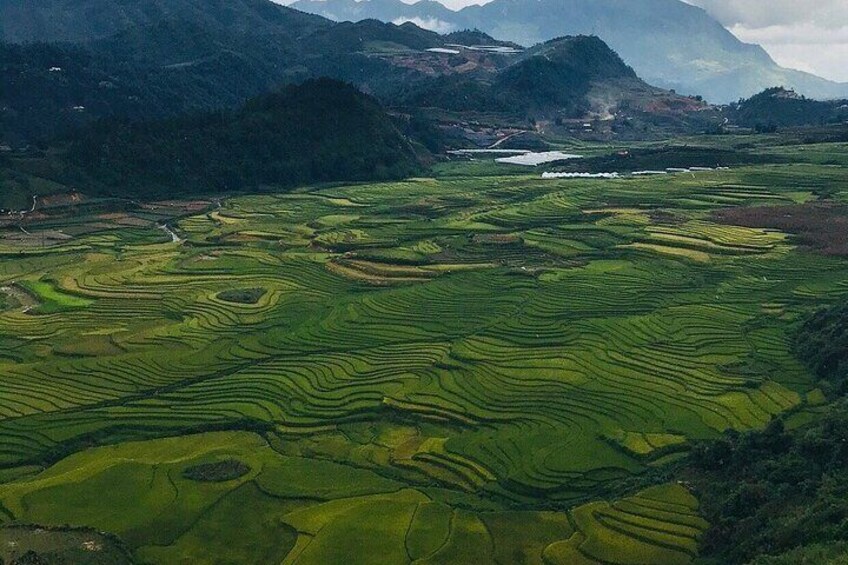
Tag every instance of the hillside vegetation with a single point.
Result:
(319, 131)
(822, 344)
(780, 108)
(26, 21)
(778, 496)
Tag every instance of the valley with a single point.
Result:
(466, 363)
(561, 282)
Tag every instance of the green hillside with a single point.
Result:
(25, 21)
(780, 108)
(319, 131)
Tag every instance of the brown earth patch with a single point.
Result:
(496, 238)
(819, 226)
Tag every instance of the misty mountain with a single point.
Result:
(167, 59)
(425, 13)
(564, 83)
(85, 20)
(670, 43)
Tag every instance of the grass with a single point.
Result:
(51, 299)
(656, 526)
(243, 519)
(472, 366)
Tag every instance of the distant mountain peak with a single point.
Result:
(670, 43)
(584, 50)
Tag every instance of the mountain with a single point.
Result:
(152, 59)
(670, 43)
(162, 70)
(320, 131)
(424, 13)
(561, 73)
(70, 87)
(52, 88)
(555, 76)
(164, 59)
(84, 20)
(779, 108)
(567, 79)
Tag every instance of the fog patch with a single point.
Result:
(431, 24)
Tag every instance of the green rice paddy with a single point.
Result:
(452, 370)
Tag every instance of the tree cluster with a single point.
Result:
(320, 131)
(780, 495)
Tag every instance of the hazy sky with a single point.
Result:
(811, 35)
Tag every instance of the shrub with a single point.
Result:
(217, 472)
(243, 295)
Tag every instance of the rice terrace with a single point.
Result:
(466, 368)
(443, 282)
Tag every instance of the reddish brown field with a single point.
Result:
(822, 227)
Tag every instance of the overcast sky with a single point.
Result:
(811, 35)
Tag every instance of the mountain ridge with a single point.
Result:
(176, 61)
(24, 21)
(686, 49)
(318, 131)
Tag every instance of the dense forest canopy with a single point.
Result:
(780, 496)
(823, 346)
(320, 131)
(779, 108)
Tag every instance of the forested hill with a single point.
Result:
(670, 43)
(565, 78)
(160, 59)
(87, 20)
(320, 131)
(778, 496)
(561, 73)
(780, 107)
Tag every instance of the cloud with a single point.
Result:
(433, 24)
(801, 33)
(766, 13)
(804, 46)
(811, 35)
(808, 35)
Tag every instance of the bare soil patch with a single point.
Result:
(819, 226)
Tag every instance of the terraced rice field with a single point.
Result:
(453, 370)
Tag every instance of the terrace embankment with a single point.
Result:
(458, 364)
